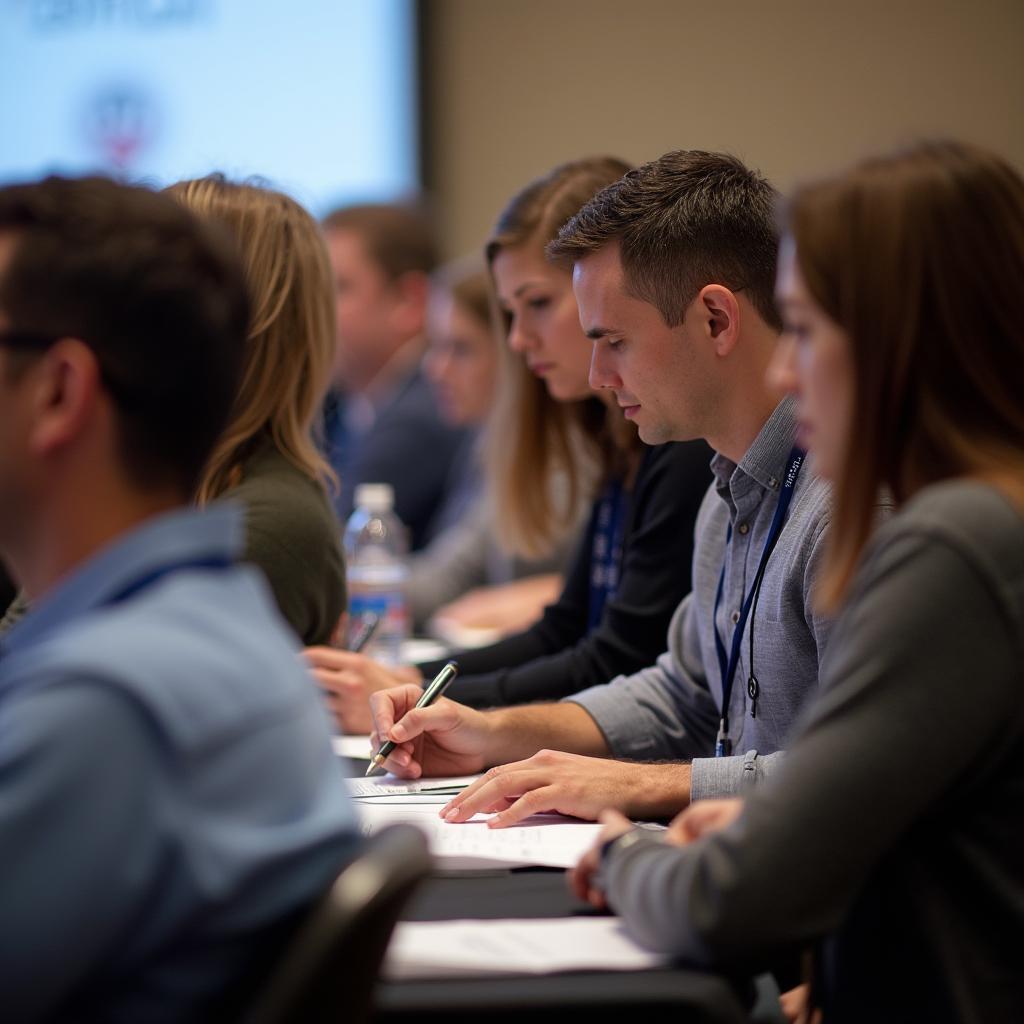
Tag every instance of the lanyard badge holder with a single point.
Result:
(729, 663)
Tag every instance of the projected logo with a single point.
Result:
(121, 122)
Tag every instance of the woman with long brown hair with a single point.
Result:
(267, 458)
(551, 440)
(892, 840)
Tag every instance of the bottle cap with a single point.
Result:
(375, 497)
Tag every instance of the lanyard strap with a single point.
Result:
(217, 562)
(606, 550)
(728, 664)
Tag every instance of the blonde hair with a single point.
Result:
(290, 348)
(534, 443)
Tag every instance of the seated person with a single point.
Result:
(267, 459)
(465, 562)
(169, 801)
(891, 839)
(383, 425)
(551, 433)
(674, 275)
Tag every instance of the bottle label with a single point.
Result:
(389, 606)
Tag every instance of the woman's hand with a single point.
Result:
(703, 818)
(349, 679)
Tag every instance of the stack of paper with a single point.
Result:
(440, 790)
(434, 949)
(546, 840)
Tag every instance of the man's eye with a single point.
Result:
(540, 302)
(614, 344)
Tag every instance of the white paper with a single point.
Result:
(391, 785)
(420, 649)
(430, 949)
(352, 746)
(545, 840)
(464, 638)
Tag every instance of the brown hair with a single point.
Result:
(683, 221)
(919, 257)
(398, 238)
(291, 331)
(533, 440)
(156, 295)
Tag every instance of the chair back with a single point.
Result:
(328, 970)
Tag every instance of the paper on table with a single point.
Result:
(352, 746)
(423, 649)
(430, 949)
(391, 785)
(546, 840)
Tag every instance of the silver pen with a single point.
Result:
(429, 695)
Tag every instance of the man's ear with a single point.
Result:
(721, 313)
(66, 384)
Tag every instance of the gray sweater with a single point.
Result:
(893, 830)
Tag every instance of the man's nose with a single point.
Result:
(601, 373)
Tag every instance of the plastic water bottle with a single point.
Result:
(376, 548)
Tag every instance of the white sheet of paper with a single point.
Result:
(431, 949)
(546, 840)
(352, 746)
(390, 785)
(420, 649)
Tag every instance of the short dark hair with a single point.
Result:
(398, 237)
(683, 221)
(157, 296)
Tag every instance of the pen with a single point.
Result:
(430, 694)
(367, 627)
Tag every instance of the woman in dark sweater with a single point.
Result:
(891, 841)
(267, 459)
(632, 568)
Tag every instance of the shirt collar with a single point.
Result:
(765, 460)
(178, 537)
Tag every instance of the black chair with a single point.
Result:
(328, 970)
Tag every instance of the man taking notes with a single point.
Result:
(674, 275)
(169, 802)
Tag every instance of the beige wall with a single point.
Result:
(791, 86)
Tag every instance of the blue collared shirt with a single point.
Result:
(168, 795)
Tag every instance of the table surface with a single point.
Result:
(690, 996)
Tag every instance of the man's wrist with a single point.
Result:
(663, 791)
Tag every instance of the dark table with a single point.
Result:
(674, 994)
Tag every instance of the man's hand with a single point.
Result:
(572, 784)
(348, 679)
(444, 739)
(582, 878)
(702, 818)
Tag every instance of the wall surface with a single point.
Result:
(793, 87)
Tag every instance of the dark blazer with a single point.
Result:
(409, 446)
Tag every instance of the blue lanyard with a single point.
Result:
(728, 665)
(606, 550)
(143, 582)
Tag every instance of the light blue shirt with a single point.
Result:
(168, 795)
